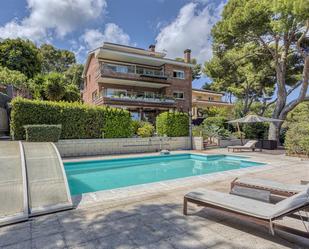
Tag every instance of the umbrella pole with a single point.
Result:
(238, 128)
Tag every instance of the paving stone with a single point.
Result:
(186, 241)
(21, 245)
(121, 241)
(87, 245)
(143, 236)
(163, 244)
(9, 237)
(77, 237)
(45, 229)
(49, 242)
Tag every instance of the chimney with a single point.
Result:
(152, 48)
(187, 55)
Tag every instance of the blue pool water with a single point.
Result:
(90, 176)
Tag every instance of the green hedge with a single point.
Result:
(77, 120)
(174, 124)
(42, 133)
(297, 139)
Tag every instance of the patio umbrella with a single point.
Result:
(251, 118)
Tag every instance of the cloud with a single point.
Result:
(49, 17)
(94, 38)
(191, 29)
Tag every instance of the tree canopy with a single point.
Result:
(196, 70)
(20, 55)
(278, 29)
(56, 60)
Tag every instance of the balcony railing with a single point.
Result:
(132, 70)
(140, 97)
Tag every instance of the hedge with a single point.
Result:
(42, 133)
(77, 120)
(297, 139)
(174, 124)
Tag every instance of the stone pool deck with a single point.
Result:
(150, 215)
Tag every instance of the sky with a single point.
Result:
(82, 25)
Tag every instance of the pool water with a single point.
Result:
(90, 176)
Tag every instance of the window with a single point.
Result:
(110, 92)
(149, 95)
(89, 78)
(210, 98)
(178, 95)
(94, 95)
(179, 74)
(120, 68)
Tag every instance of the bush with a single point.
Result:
(42, 133)
(218, 121)
(297, 139)
(173, 124)
(136, 124)
(146, 130)
(77, 120)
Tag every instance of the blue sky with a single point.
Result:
(173, 25)
(81, 25)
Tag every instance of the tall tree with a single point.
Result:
(196, 70)
(244, 72)
(280, 27)
(20, 55)
(74, 75)
(56, 60)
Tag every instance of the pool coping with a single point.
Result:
(101, 196)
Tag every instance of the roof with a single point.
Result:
(207, 91)
(138, 53)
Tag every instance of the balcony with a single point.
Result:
(136, 98)
(132, 75)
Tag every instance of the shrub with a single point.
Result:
(173, 124)
(42, 133)
(77, 120)
(297, 139)
(218, 121)
(135, 125)
(146, 130)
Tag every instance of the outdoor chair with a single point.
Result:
(252, 210)
(250, 145)
(275, 188)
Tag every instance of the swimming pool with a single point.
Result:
(90, 176)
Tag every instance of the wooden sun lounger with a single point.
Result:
(275, 188)
(251, 210)
(250, 145)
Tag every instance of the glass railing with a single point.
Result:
(131, 69)
(141, 96)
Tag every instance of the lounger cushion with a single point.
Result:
(271, 185)
(234, 203)
(249, 145)
(291, 203)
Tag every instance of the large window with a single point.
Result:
(178, 95)
(120, 68)
(178, 74)
(110, 92)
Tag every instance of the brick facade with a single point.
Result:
(97, 79)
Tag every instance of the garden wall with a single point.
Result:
(94, 147)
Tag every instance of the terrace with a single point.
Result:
(151, 217)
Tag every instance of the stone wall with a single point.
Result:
(94, 147)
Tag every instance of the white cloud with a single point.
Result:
(191, 29)
(48, 17)
(94, 38)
